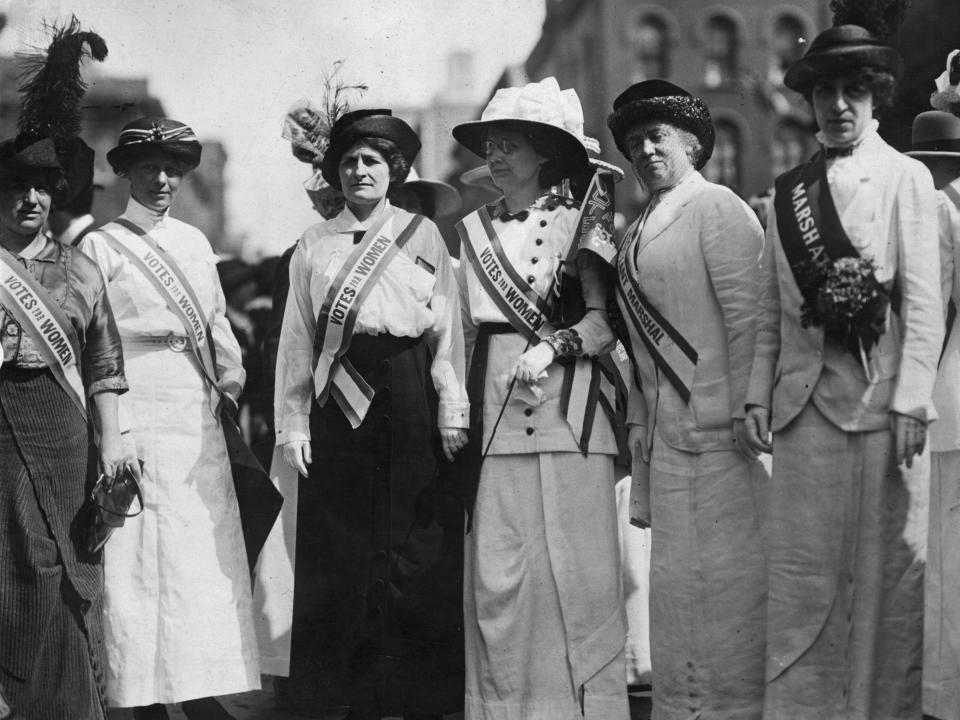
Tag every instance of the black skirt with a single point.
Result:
(51, 640)
(377, 612)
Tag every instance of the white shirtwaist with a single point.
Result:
(177, 605)
(412, 297)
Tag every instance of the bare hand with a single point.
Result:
(297, 454)
(117, 456)
(532, 363)
(453, 440)
(753, 433)
(637, 442)
(910, 435)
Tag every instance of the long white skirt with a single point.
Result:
(543, 603)
(178, 613)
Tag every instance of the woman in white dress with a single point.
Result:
(178, 612)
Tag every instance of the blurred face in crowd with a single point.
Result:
(944, 169)
(513, 163)
(659, 153)
(25, 200)
(364, 175)
(843, 107)
(155, 181)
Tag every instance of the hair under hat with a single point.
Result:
(662, 100)
(358, 125)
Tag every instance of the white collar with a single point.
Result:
(347, 222)
(869, 132)
(143, 216)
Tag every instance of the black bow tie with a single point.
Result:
(835, 152)
(506, 216)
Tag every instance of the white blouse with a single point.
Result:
(415, 295)
(140, 310)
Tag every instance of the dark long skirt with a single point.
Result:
(377, 617)
(51, 646)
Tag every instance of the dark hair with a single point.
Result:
(183, 157)
(81, 204)
(399, 167)
(881, 84)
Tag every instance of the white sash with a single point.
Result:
(38, 313)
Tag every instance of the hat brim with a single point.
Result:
(446, 199)
(385, 127)
(571, 155)
(802, 75)
(694, 119)
(187, 154)
(931, 153)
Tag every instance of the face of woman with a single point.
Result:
(513, 163)
(658, 153)
(364, 175)
(155, 181)
(25, 201)
(843, 108)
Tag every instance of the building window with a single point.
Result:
(651, 43)
(722, 45)
(791, 146)
(786, 43)
(724, 164)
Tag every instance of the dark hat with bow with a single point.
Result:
(662, 100)
(48, 128)
(358, 125)
(152, 135)
(857, 40)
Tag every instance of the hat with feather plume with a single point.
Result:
(48, 128)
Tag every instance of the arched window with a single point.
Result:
(724, 164)
(788, 31)
(792, 144)
(722, 47)
(651, 44)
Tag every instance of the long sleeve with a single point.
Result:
(767, 342)
(594, 328)
(918, 259)
(445, 339)
(294, 383)
(732, 241)
(229, 359)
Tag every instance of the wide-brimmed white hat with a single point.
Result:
(541, 108)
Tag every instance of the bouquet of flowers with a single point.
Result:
(849, 302)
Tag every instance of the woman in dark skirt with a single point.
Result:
(51, 641)
(370, 366)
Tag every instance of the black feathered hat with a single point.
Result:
(856, 40)
(662, 100)
(48, 128)
(151, 135)
(354, 126)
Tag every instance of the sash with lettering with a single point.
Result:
(520, 304)
(168, 279)
(258, 500)
(333, 373)
(671, 352)
(808, 222)
(810, 228)
(585, 383)
(39, 315)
